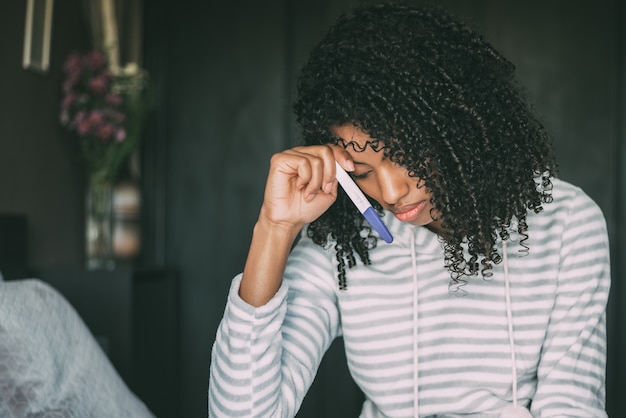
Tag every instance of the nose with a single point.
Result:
(394, 185)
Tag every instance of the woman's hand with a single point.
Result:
(302, 185)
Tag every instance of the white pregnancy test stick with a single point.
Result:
(356, 195)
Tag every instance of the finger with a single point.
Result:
(327, 157)
(298, 164)
(329, 153)
(343, 157)
(317, 175)
(316, 169)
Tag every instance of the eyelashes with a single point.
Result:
(359, 176)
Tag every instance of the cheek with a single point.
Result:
(371, 189)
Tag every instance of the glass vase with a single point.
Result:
(99, 226)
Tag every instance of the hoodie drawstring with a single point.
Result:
(512, 411)
(509, 318)
(415, 317)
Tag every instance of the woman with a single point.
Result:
(489, 302)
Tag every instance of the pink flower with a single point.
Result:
(78, 119)
(96, 117)
(96, 60)
(100, 84)
(69, 99)
(116, 116)
(71, 81)
(93, 107)
(113, 99)
(87, 123)
(104, 131)
(120, 135)
(72, 63)
(82, 125)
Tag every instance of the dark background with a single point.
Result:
(224, 77)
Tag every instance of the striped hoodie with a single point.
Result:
(418, 347)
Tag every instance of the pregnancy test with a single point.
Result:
(358, 198)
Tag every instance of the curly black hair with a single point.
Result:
(446, 106)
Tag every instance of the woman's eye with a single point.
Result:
(359, 176)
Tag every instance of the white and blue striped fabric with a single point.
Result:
(264, 359)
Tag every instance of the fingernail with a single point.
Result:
(350, 165)
(310, 197)
(328, 186)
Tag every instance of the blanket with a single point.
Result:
(50, 364)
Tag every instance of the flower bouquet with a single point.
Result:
(103, 108)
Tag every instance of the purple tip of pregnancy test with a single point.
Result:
(377, 223)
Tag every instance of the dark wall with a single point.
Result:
(224, 76)
(39, 174)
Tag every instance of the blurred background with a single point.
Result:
(222, 76)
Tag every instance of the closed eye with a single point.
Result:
(360, 176)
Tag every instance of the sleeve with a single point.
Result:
(571, 372)
(264, 359)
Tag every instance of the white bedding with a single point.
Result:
(50, 365)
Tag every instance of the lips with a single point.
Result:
(409, 213)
